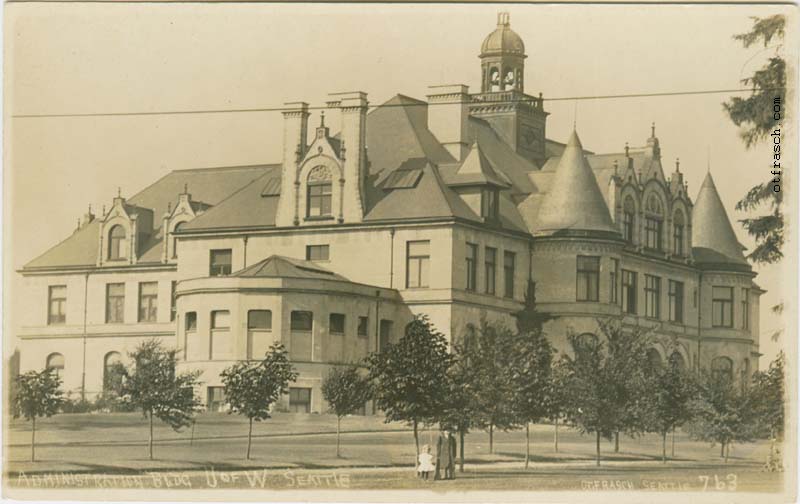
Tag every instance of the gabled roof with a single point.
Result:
(476, 170)
(574, 202)
(209, 185)
(712, 229)
(286, 267)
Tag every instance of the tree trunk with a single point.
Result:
(555, 437)
(598, 448)
(491, 438)
(527, 443)
(191, 439)
(727, 451)
(673, 441)
(616, 442)
(461, 449)
(416, 443)
(664, 447)
(150, 441)
(33, 440)
(721, 450)
(338, 431)
(249, 438)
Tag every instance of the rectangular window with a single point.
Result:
(319, 200)
(722, 306)
(490, 260)
(746, 309)
(629, 291)
(363, 326)
(337, 323)
(627, 226)
(115, 303)
(191, 321)
(652, 228)
(489, 203)
(220, 262)
(676, 301)
(220, 320)
(613, 282)
(57, 304)
(385, 335)
(588, 278)
(148, 301)
(677, 239)
(299, 400)
(652, 296)
(259, 320)
(173, 300)
(472, 267)
(418, 260)
(302, 321)
(216, 398)
(509, 267)
(317, 252)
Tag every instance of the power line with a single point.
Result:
(412, 104)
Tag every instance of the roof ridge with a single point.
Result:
(225, 168)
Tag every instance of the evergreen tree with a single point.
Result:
(37, 394)
(346, 392)
(251, 388)
(409, 378)
(153, 385)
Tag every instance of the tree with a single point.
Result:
(530, 369)
(769, 399)
(757, 119)
(409, 378)
(461, 409)
(669, 401)
(251, 388)
(153, 385)
(492, 358)
(346, 391)
(722, 413)
(37, 394)
(555, 397)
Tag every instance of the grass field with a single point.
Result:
(292, 450)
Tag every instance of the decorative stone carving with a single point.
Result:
(319, 173)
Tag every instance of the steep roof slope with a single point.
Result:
(712, 229)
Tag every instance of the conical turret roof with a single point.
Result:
(711, 227)
(574, 202)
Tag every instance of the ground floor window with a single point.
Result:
(300, 400)
(216, 398)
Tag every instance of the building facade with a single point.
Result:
(450, 207)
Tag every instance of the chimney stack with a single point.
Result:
(448, 114)
(295, 131)
(353, 106)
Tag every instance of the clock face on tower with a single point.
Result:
(530, 136)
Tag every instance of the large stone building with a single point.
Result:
(449, 207)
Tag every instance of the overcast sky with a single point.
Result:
(101, 57)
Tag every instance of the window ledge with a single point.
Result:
(313, 218)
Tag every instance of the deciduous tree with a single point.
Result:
(669, 401)
(346, 391)
(252, 387)
(37, 394)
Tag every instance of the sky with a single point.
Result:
(101, 57)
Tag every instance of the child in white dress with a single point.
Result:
(425, 462)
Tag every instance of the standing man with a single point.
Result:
(445, 456)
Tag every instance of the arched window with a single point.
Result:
(55, 361)
(722, 367)
(177, 227)
(320, 189)
(116, 243)
(677, 360)
(628, 219)
(494, 79)
(654, 359)
(678, 233)
(111, 376)
(508, 79)
(585, 342)
(653, 222)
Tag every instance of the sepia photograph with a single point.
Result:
(400, 252)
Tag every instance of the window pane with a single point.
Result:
(337, 323)
(472, 266)
(220, 319)
(363, 326)
(587, 278)
(509, 259)
(259, 319)
(220, 262)
(148, 301)
(115, 303)
(57, 304)
(385, 335)
(191, 321)
(317, 252)
(302, 320)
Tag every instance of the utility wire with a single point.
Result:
(523, 98)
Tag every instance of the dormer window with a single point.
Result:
(320, 192)
(677, 234)
(116, 243)
(489, 203)
(628, 214)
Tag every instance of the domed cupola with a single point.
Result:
(502, 58)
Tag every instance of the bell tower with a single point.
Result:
(517, 117)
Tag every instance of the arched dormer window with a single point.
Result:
(55, 361)
(116, 243)
(320, 192)
(722, 367)
(628, 219)
(653, 222)
(177, 227)
(678, 233)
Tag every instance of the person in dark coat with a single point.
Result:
(445, 456)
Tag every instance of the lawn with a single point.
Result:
(292, 450)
